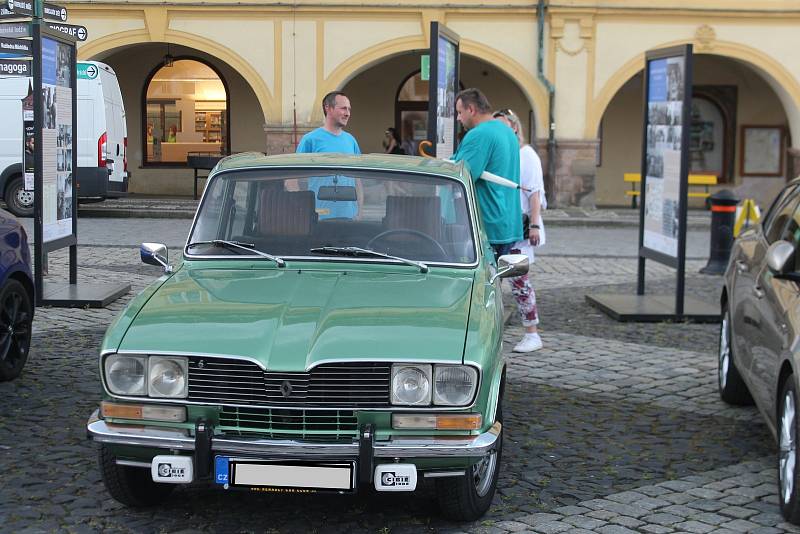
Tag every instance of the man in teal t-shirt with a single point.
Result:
(331, 137)
(491, 146)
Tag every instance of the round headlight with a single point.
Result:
(411, 385)
(167, 378)
(454, 385)
(125, 375)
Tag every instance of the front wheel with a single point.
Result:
(468, 497)
(132, 486)
(732, 388)
(16, 316)
(19, 201)
(788, 478)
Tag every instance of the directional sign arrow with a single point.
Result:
(77, 32)
(87, 71)
(54, 12)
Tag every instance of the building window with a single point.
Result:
(713, 133)
(411, 112)
(186, 111)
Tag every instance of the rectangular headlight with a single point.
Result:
(454, 385)
(168, 377)
(126, 375)
(411, 384)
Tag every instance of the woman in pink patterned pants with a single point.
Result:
(533, 202)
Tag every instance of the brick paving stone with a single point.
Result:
(694, 526)
(662, 519)
(737, 512)
(656, 529)
(570, 510)
(740, 525)
(551, 527)
(511, 526)
(582, 521)
(626, 521)
(537, 519)
(615, 529)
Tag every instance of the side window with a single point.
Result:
(778, 217)
(776, 206)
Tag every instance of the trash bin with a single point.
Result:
(723, 217)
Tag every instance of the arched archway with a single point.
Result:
(785, 86)
(113, 44)
(134, 65)
(534, 94)
(185, 108)
(729, 93)
(373, 93)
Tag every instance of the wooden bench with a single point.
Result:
(695, 180)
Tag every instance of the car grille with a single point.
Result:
(347, 385)
(288, 423)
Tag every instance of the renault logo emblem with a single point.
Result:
(286, 388)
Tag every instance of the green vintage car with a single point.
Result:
(334, 322)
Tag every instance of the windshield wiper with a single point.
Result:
(358, 251)
(238, 245)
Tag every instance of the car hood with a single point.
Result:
(288, 320)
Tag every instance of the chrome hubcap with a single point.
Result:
(483, 472)
(724, 353)
(25, 198)
(788, 447)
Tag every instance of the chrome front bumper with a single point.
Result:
(180, 440)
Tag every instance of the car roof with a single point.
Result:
(251, 160)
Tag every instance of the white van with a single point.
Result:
(102, 138)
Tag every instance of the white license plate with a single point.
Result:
(335, 476)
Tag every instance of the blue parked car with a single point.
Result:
(16, 297)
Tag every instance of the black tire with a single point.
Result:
(468, 497)
(16, 316)
(19, 201)
(788, 466)
(132, 486)
(732, 388)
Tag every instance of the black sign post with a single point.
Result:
(664, 192)
(443, 84)
(55, 117)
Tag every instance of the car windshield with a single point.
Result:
(311, 213)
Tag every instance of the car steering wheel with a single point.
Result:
(442, 252)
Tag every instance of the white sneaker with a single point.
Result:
(529, 343)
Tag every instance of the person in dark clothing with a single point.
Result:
(391, 142)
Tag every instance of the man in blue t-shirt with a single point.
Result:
(331, 137)
(491, 145)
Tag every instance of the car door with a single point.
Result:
(766, 309)
(748, 260)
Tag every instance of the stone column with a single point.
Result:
(280, 139)
(576, 166)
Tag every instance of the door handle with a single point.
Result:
(758, 292)
(741, 267)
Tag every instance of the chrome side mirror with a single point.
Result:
(155, 254)
(511, 265)
(778, 254)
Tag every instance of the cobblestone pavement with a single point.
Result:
(611, 428)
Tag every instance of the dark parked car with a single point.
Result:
(16, 297)
(758, 349)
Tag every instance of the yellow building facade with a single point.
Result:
(239, 76)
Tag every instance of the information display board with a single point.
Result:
(665, 154)
(444, 66)
(58, 156)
